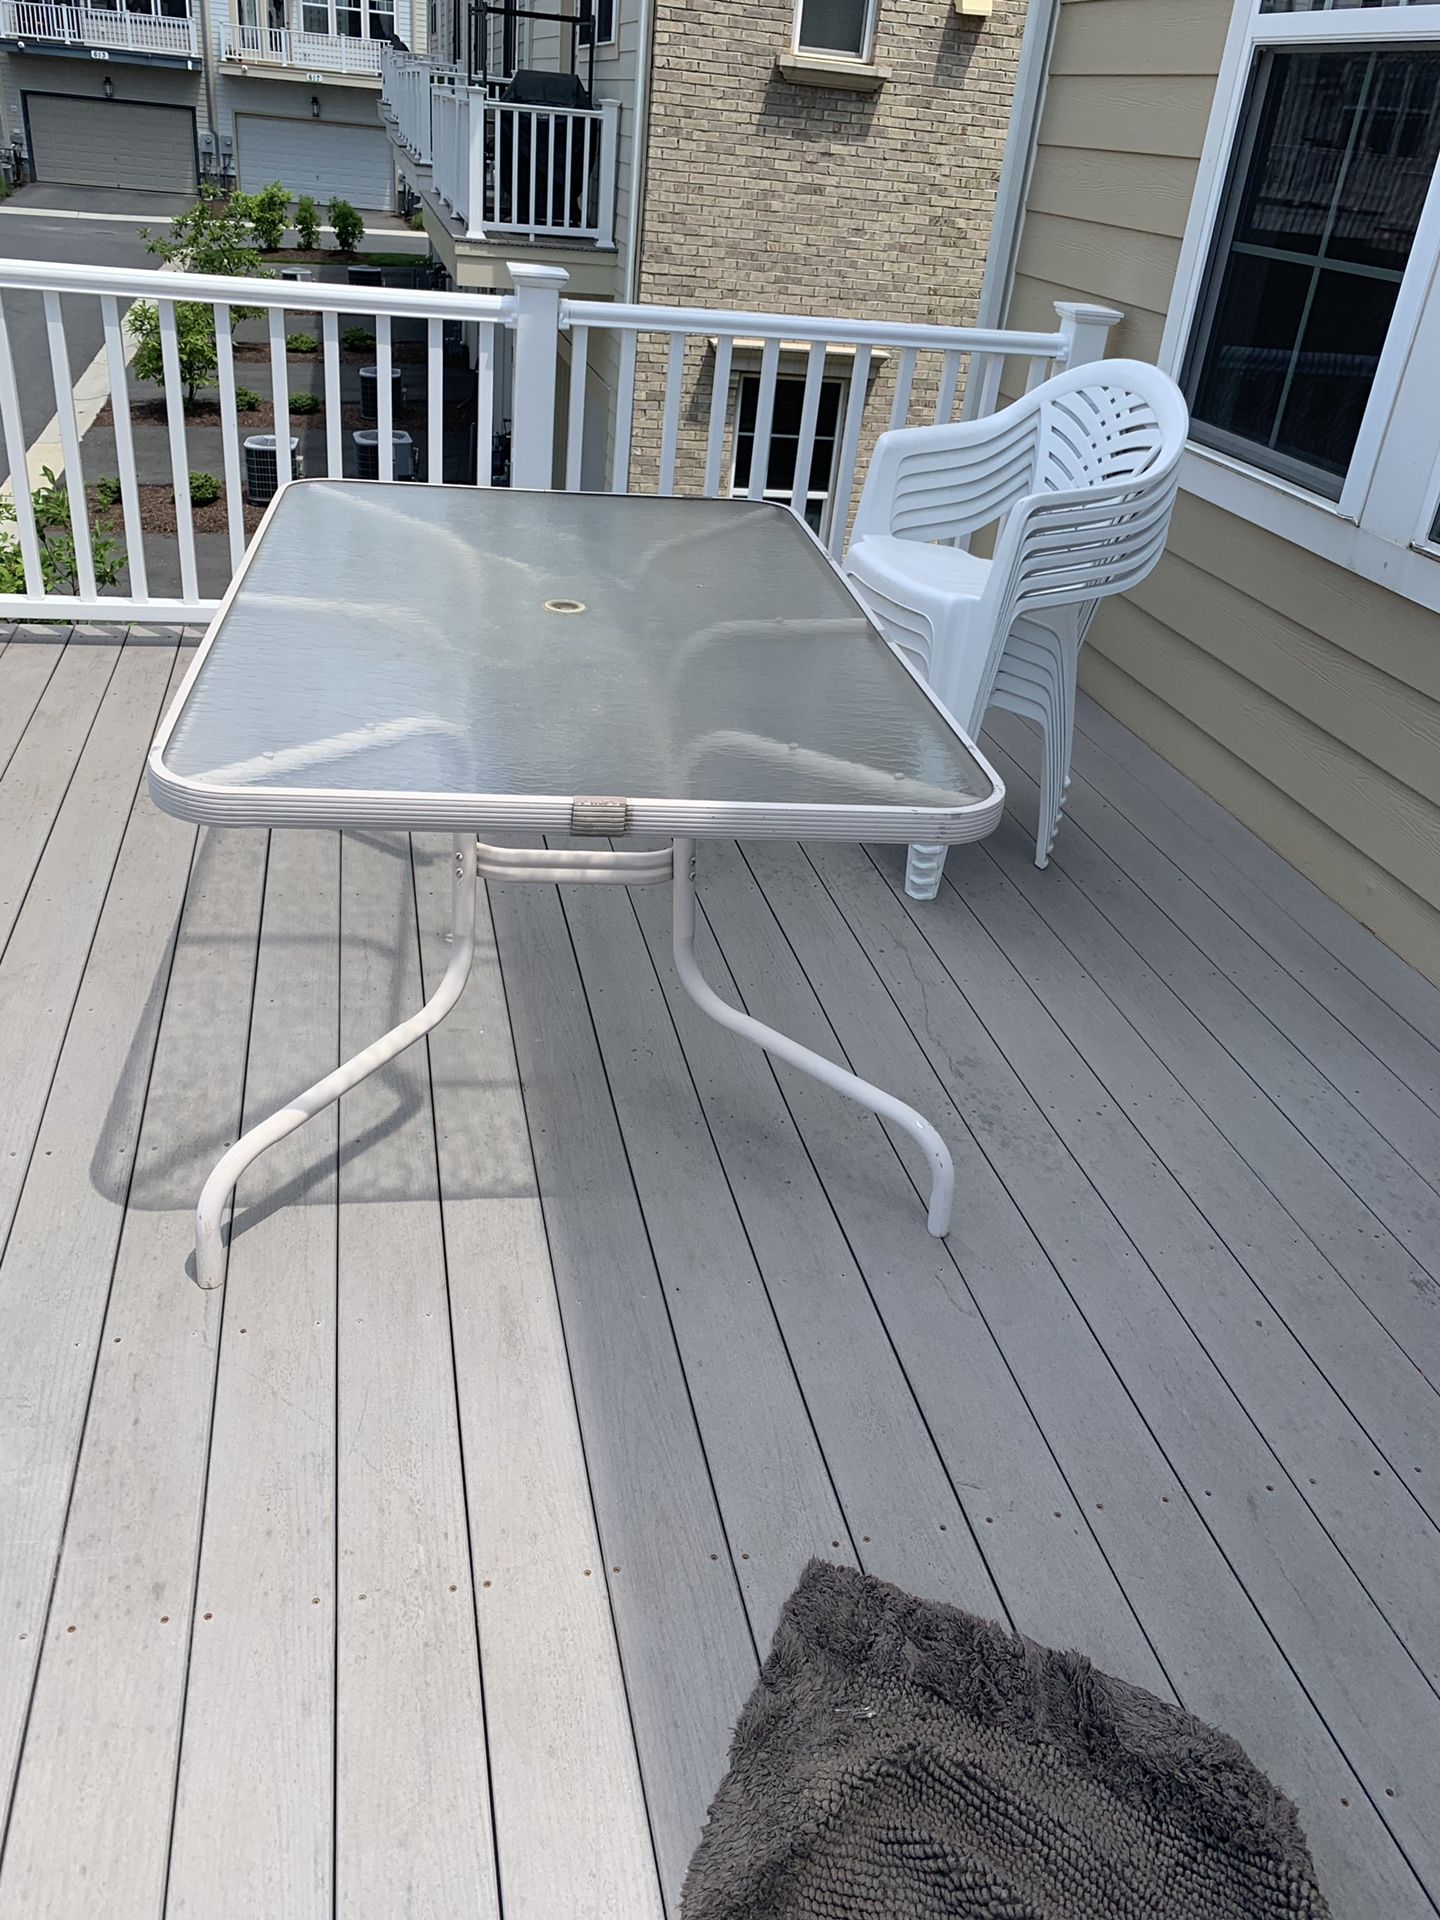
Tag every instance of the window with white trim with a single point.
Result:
(841, 29)
(1305, 325)
(785, 441)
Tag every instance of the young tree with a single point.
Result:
(210, 238)
(216, 238)
(349, 227)
(194, 344)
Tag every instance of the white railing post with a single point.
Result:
(1087, 329)
(537, 336)
(609, 171)
(470, 124)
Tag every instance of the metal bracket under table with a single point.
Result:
(474, 860)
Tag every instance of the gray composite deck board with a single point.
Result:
(575, 1332)
(1401, 1294)
(1370, 968)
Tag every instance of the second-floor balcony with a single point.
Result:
(504, 164)
(140, 30)
(287, 47)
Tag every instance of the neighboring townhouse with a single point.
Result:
(1255, 183)
(155, 95)
(811, 155)
(297, 93)
(106, 94)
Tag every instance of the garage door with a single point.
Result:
(85, 142)
(327, 159)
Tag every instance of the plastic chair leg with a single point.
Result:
(923, 869)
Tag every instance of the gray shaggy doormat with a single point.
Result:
(902, 1760)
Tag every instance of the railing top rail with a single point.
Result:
(793, 326)
(46, 276)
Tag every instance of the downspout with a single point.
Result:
(639, 143)
(1031, 75)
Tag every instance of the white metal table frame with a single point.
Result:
(681, 822)
(472, 860)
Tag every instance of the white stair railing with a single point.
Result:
(624, 421)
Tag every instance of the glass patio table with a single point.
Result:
(587, 665)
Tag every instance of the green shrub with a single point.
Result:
(51, 504)
(246, 400)
(269, 215)
(301, 343)
(348, 226)
(204, 487)
(194, 342)
(358, 339)
(107, 490)
(304, 403)
(307, 222)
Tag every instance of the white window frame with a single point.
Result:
(1379, 527)
(867, 40)
(842, 378)
(612, 38)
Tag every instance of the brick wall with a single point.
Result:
(813, 200)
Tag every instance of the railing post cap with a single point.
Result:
(1082, 310)
(524, 275)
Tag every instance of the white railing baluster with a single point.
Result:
(334, 424)
(435, 400)
(945, 399)
(809, 417)
(575, 421)
(764, 419)
(15, 451)
(570, 130)
(280, 395)
(670, 427)
(229, 435)
(842, 490)
(986, 372)
(70, 446)
(624, 414)
(484, 402)
(904, 380)
(1038, 373)
(125, 448)
(384, 413)
(719, 412)
(179, 454)
(513, 122)
(534, 158)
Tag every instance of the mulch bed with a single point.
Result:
(157, 514)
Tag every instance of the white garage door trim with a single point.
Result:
(327, 158)
(84, 140)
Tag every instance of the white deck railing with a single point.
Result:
(501, 169)
(575, 380)
(97, 27)
(320, 52)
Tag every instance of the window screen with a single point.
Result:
(1330, 172)
(833, 26)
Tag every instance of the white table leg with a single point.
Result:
(942, 1168)
(209, 1245)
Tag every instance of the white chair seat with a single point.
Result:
(1079, 478)
(949, 570)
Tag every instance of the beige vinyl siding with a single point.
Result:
(1303, 697)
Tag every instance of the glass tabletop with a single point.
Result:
(386, 641)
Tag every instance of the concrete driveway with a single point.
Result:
(95, 229)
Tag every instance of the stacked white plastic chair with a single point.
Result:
(1080, 476)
